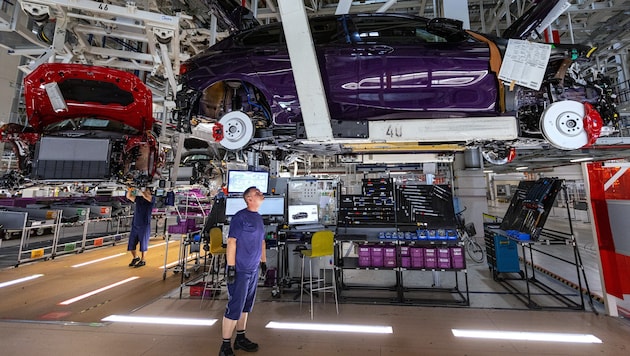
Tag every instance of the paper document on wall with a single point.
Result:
(525, 63)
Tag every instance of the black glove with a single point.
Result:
(263, 268)
(231, 274)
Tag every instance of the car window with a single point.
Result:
(263, 35)
(392, 30)
(326, 30)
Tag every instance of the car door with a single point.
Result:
(406, 72)
(338, 65)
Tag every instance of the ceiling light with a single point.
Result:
(521, 168)
(160, 320)
(488, 171)
(582, 159)
(528, 336)
(331, 327)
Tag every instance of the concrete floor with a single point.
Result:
(34, 320)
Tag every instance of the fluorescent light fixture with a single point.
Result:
(89, 294)
(488, 171)
(527, 336)
(371, 329)
(160, 320)
(583, 159)
(98, 260)
(20, 280)
(521, 168)
(56, 98)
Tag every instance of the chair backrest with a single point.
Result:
(216, 240)
(322, 243)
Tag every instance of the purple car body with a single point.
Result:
(373, 67)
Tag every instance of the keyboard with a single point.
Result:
(309, 227)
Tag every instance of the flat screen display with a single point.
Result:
(270, 206)
(302, 214)
(239, 181)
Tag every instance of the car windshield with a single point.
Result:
(91, 124)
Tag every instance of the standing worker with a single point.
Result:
(140, 224)
(245, 251)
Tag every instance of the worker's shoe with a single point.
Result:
(140, 263)
(226, 351)
(245, 344)
(134, 261)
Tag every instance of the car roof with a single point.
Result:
(86, 91)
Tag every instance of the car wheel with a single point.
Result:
(562, 125)
(238, 130)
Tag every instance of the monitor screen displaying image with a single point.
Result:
(269, 206)
(302, 214)
(239, 181)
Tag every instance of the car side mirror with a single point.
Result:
(450, 29)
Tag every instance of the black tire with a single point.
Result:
(474, 250)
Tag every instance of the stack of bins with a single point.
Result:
(364, 256)
(389, 256)
(457, 257)
(443, 258)
(376, 254)
(405, 256)
(417, 257)
(430, 258)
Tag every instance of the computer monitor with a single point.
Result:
(239, 181)
(269, 206)
(302, 214)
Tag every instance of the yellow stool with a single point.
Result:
(216, 251)
(322, 244)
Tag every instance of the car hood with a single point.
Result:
(542, 12)
(54, 92)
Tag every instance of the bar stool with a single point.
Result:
(217, 251)
(322, 244)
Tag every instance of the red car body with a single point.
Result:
(85, 123)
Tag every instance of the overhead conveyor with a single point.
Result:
(109, 35)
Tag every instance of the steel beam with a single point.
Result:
(306, 71)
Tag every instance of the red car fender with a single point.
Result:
(592, 123)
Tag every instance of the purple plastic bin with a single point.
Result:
(389, 251)
(389, 261)
(456, 251)
(443, 252)
(430, 262)
(376, 252)
(458, 262)
(444, 262)
(430, 252)
(417, 262)
(377, 261)
(364, 250)
(405, 261)
(404, 250)
(416, 252)
(365, 261)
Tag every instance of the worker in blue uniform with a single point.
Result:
(140, 224)
(245, 252)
